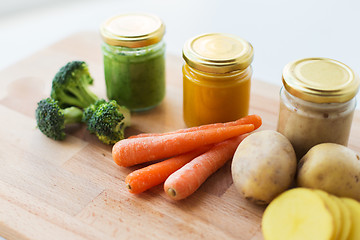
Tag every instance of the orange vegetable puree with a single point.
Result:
(213, 97)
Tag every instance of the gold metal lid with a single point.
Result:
(218, 53)
(320, 80)
(132, 30)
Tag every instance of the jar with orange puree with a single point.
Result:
(216, 78)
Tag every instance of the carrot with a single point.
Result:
(250, 119)
(189, 178)
(128, 152)
(152, 175)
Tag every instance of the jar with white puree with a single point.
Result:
(317, 103)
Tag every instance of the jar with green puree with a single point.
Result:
(134, 60)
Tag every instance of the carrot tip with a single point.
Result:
(171, 192)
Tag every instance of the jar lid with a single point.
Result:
(132, 30)
(320, 80)
(218, 53)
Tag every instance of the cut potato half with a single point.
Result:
(354, 207)
(334, 209)
(345, 219)
(298, 214)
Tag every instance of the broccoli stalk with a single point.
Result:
(70, 86)
(52, 120)
(107, 120)
(72, 115)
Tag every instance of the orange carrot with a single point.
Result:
(250, 119)
(189, 178)
(145, 178)
(128, 152)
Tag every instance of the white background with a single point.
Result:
(279, 30)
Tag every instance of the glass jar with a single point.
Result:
(134, 60)
(317, 103)
(216, 79)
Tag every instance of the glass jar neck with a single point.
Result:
(301, 105)
(134, 51)
(216, 78)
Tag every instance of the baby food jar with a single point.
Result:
(216, 78)
(317, 103)
(134, 60)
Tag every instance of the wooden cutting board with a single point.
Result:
(73, 189)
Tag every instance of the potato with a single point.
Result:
(331, 167)
(333, 206)
(345, 219)
(354, 208)
(263, 166)
(303, 213)
(298, 214)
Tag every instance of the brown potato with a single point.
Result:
(263, 166)
(331, 167)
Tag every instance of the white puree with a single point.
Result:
(307, 124)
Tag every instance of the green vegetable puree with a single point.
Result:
(135, 77)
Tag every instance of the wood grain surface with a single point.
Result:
(73, 190)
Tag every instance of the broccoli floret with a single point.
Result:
(89, 111)
(51, 119)
(108, 121)
(70, 86)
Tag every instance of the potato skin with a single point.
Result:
(333, 168)
(263, 166)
